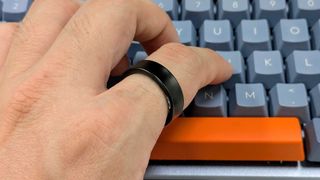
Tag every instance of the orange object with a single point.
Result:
(235, 139)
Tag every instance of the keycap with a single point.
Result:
(289, 100)
(291, 35)
(170, 6)
(217, 35)
(304, 67)
(236, 60)
(140, 55)
(248, 100)
(265, 67)
(197, 11)
(1, 5)
(134, 48)
(315, 101)
(233, 10)
(272, 10)
(15, 10)
(253, 35)
(186, 32)
(237, 139)
(312, 131)
(308, 9)
(315, 33)
(210, 101)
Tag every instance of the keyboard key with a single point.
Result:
(233, 10)
(308, 9)
(170, 6)
(272, 10)
(134, 48)
(210, 101)
(315, 101)
(15, 10)
(315, 32)
(253, 35)
(248, 100)
(291, 35)
(237, 139)
(312, 131)
(265, 67)
(140, 55)
(236, 60)
(217, 35)
(197, 11)
(290, 100)
(186, 32)
(304, 67)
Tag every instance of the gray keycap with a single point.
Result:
(248, 100)
(210, 101)
(197, 11)
(186, 32)
(217, 35)
(233, 10)
(140, 55)
(236, 60)
(290, 100)
(265, 67)
(170, 6)
(253, 35)
(272, 10)
(134, 48)
(304, 67)
(315, 33)
(312, 140)
(291, 35)
(15, 10)
(308, 9)
(315, 101)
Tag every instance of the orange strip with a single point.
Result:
(243, 139)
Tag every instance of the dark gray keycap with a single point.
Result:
(272, 10)
(140, 55)
(186, 32)
(290, 100)
(248, 100)
(253, 35)
(1, 5)
(304, 67)
(315, 33)
(291, 35)
(210, 101)
(315, 101)
(217, 35)
(134, 48)
(236, 60)
(308, 9)
(233, 10)
(312, 140)
(15, 10)
(170, 6)
(265, 67)
(197, 11)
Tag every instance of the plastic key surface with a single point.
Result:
(308, 9)
(233, 10)
(186, 32)
(170, 6)
(312, 131)
(250, 139)
(315, 101)
(15, 10)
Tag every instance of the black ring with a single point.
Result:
(167, 82)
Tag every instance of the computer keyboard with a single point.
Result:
(264, 122)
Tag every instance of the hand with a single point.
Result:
(58, 121)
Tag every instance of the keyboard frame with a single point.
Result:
(230, 171)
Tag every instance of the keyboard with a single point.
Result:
(264, 122)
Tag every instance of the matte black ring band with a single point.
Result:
(167, 82)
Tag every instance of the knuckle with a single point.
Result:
(180, 53)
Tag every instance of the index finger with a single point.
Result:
(99, 34)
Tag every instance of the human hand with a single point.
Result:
(58, 121)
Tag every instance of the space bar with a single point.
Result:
(234, 139)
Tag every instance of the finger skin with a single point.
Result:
(37, 32)
(7, 31)
(97, 41)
